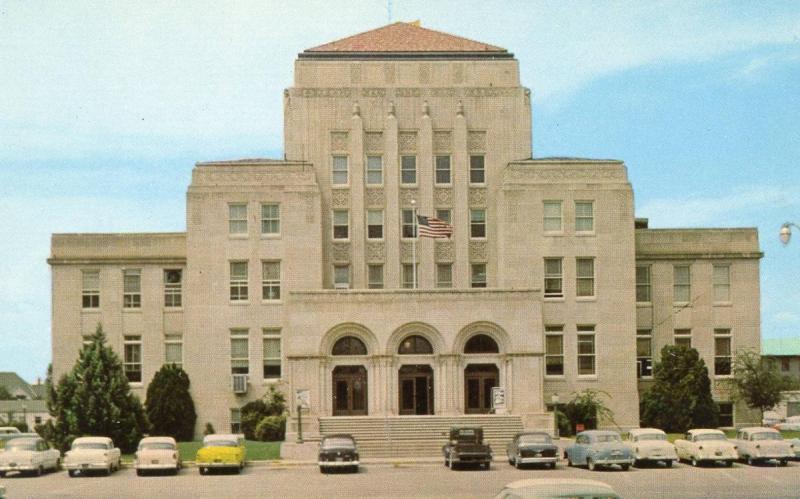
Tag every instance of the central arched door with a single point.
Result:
(416, 390)
(479, 379)
(350, 391)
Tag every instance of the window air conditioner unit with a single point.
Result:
(239, 382)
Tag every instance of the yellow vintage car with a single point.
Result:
(221, 451)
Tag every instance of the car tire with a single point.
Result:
(625, 467)
(71, 473)
(569, 462)
(783, 462)
(39, 471)
(58, 465)
(202, 470)
(487, 465)
(139, 472)
(729, 464)
(517, 462)
(695, 462)
(668, 463)
(2, 474)
(749, 461)
(590, 464)
(450, 463)
(552, 466)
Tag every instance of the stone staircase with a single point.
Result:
(418, 436)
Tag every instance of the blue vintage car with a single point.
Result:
(599, 448)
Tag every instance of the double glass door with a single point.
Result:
(350, 391)
(479, 379)
(416, 390)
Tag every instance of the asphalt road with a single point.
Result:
(410, 480)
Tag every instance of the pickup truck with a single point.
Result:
(466, 446)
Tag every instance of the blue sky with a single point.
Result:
(105, 107)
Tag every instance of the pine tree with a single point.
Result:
(169, 404)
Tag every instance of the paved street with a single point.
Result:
(411, 480)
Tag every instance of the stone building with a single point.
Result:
(301, 272)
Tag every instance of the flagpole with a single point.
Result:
(414, 246)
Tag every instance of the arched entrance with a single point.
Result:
(416, 390)
(479, 379)
(349, 391)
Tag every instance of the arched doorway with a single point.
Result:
(479, 379)
(349, 391)
(416, 390)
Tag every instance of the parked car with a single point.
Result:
(792, 423)
(770, 418)
(555, 488)
(466, 446)
(92, 454)
(532, 448)
(221, 451)
(759, 444)
(598, 448)
(29, 455)
(706, 446)
(650, 445)
(338, 451)
(5, 437)
(157, 454)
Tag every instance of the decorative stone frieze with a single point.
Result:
(376, 252)
(443, 197)
(373, 142)
(444, 251)
(442, 141)
(477, 251)
(340, 198)
(406, 252)
(374, 197)
(339, 142)
(341, 252)
(407, 141)
(407, 195)
(477, 196)
(476, 141)
(543, 173)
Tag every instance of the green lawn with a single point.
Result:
(256, 451)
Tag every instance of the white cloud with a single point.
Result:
(786, 317)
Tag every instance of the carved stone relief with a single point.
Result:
(406, 252)
(341, 252)
(476, 141)
(376, 252)
(407, 141)
(373, 141)
(535, 173)
(444, 251)
(477, 196)
(340, 198)
(339, 141)
(406, 195)
(442, 141)
(355, 73)
(443, 196)
(374, 197)
(477, 251)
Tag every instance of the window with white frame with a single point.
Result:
(408, 229)
(586, 351)
(725, 414)
(723, 357)
(132, 288)
(236, 420)
(240, 351)
(132, 358)
(643, 283)
(90, 293)
(477, 169)
(477, 223)
(339, 170)
(554, 350)
(341, 224)
(270, 218)
(408, 276)
(444, 275)
(375, 276)
(374, 224)
(552, 216)
(271, 280)
(374, 170)
(478, 277)
(584, 275)
(408, 170)
(644, 353)
(553, 278)
(584, 216)
(238, 282)
(442, 169)
(682, 337)
(237, 218)
(173, 350)
(722, 283)
(681, 284)
(173, 283)
(445, 215)
(341, 276)
(272, 353)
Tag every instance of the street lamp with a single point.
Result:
(786, 232)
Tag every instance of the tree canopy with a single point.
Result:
(758, 382)
(170, 408)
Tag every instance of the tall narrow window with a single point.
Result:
(477, 223)
(444, 275)
(374, 170)
(644, 353)
(341, 224)
(270, 280)
(584, 216)
(272, 353)
(586, 355)
(236, 420)
(408, 170)
(584, 271)
(554, 350)
(683, 337)
(132, 288)
(240, 351)
(682, 289)
(173, 350)
(643, 283)
(553, 278)
(408, 276)
(722, 352)
(238, 282)
(409, 224)
(90, 294)
(173, 282)
(132, 362)
(478, 279)
(375, 276)
(552, 216)
(339, 174)
(341, 276)
(725, 414)
(270, 218)
(237, 218)
(374, 224)
(442, 169)
(477, 171)
(722, 283)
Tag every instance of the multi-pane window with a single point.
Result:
(477, 169)
(442, 169)
(409, 224)
(173, 282)
(409, 279)
(341, 276)
(270, 280)
(132, 288)
(478, 277)
(643, 283)
(375, 276)
(681, 284)
(722, 283)
(238, 283)
(644, 353)
(132, 358)
(445, 215)
(553, 277)
(173, 350)
(270, 218)
(240, 351)
(584, 216)
(554, 350)
(584, 272)
(722, 352)
(408, 170)
(90, 294)
(272, 353)
(552, 216)
(725, 414)
(444, 275)
(374, 170)
(341, 224)
(339, 173)
(683, 337)
(236, 420)
(477, 223)
(374, 224)
(237, 218)
(586, 354)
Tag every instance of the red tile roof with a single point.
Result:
(405, 37)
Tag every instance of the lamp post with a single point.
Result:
(786, 232)
(554, 399)
(25, 415)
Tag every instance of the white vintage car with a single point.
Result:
(792, 423)
(706, 446)
(29, 455)
(651, 445)
(157, 454)
(90, 454)
(759, 444)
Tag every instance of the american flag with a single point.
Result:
(433, 227)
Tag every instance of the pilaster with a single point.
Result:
(357, 215)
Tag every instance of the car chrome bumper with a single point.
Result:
(201, 464)
(537, 460)
(86, 466)
(326, 464)
(160, 466)
(615, 461)
(19, 467)
(773, 456)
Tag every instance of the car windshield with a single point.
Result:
(710, 436)
(21, 445)
(534, 439)
(157, 446)
(767, 435)
(221, 443)
(651, 436)
(89, 445)
(337, 442)
(606, 438)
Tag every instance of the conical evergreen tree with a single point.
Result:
(170, 407)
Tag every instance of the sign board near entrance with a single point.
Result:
(303, 398)
(499, 399)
